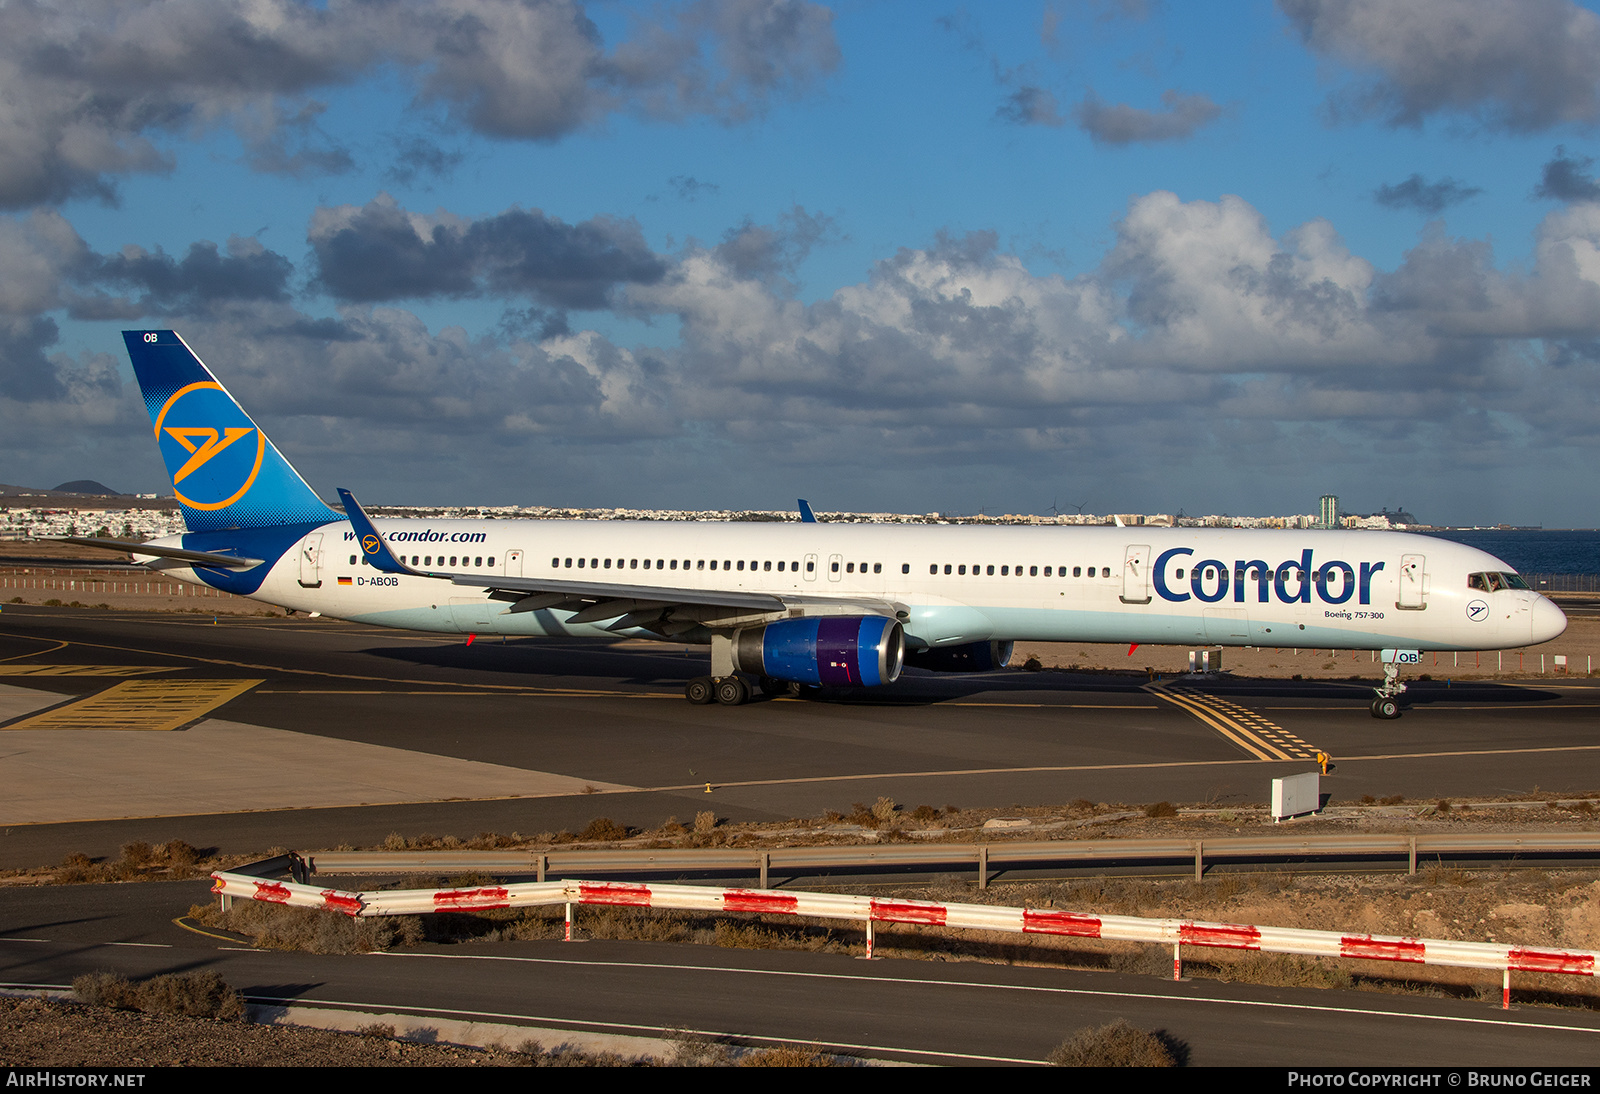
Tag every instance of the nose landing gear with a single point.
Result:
(1387, 704)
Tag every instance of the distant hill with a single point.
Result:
(82, 494)
(87, 486)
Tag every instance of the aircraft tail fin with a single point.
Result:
(225, 471)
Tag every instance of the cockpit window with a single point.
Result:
(1491, 582)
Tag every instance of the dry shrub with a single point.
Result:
(310, 930)
(1160, 809)
(883, 811)
(1275, 970)
(704, 822)
(925, 813)
(788, 1056)
(188, 994)
(698, 1050)
(378, 1030)
(1116, 1044)
(178, 853)
(78, 868)
(605, 829)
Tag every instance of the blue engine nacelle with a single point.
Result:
(972, 657)
(832, 650)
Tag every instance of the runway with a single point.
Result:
(252, 732)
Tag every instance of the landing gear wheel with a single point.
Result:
(700, 691)
(1387, 709)
(778, 689)
(731, 691)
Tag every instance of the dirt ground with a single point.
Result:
(50, 1033)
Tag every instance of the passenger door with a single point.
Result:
(1413, 579)
(311, 561)
(1136, 574)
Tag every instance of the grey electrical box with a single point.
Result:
(1296, 795)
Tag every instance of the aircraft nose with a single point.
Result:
(1548, 620)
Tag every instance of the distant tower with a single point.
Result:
(1329, 516)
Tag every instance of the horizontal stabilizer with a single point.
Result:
(177, 554)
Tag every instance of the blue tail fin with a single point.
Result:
(224, 470)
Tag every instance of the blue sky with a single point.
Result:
(1138, 256)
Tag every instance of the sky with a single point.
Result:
(1110, 255)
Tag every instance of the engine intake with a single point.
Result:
(972, 657)
(832, 650)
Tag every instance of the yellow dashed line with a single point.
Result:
(81, 670)
(141, 705)
(1262, 738)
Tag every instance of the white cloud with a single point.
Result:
(90, 86)
(1518, 65)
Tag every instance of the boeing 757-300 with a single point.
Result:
(786, 605)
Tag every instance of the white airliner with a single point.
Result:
(795, 604)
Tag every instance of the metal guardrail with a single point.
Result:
(249, 884)
(863, 858)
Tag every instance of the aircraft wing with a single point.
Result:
(658, 607)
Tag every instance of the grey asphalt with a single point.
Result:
(592, 714)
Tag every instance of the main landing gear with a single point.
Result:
(732, 691)
(1387, 704)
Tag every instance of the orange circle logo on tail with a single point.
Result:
(210, 469)
(370, 544)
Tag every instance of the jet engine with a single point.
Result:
(972, 657)
(831, 650)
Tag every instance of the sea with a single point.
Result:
(1532, 551)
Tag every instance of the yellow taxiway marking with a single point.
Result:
(1261, 737)
(82, 670)
(59, 645)
(140, 705)
(183, 922)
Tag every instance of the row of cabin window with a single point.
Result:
(688, 564)
(1010, 571)
(1255, 574)
(849, 567)
(427, 560)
